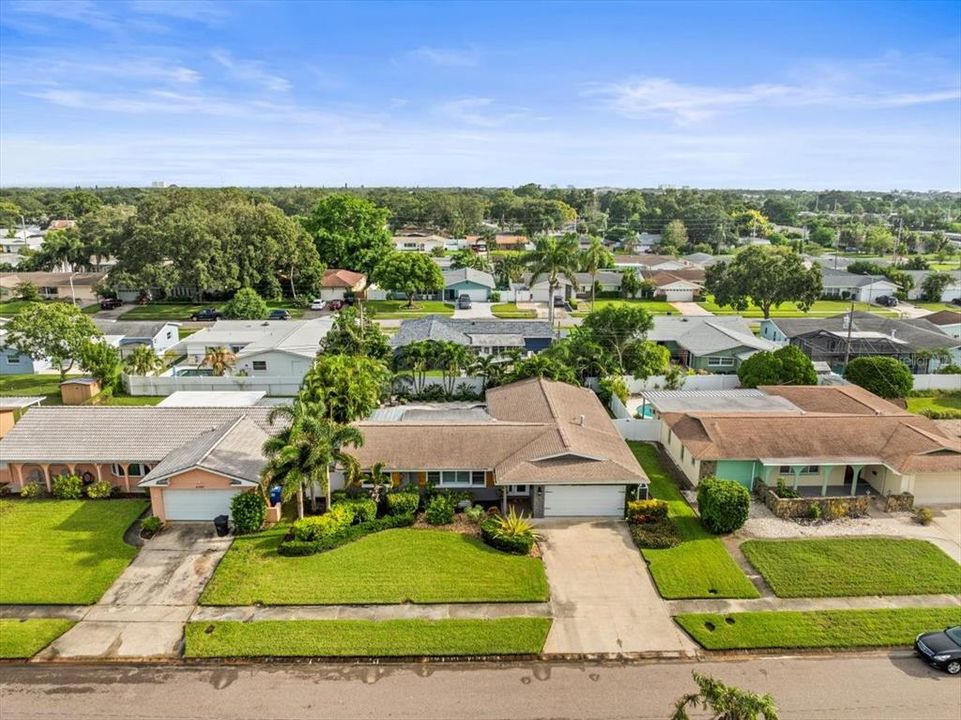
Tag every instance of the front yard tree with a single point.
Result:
(349, 387)
(350, 232)
(409, 273)
(594, 258)
(784, 366)
(886, 377)
(246, 304)
(469, 259)
(674, 234)
(553, 259)
(617, 327)
(353, 334)
(631, 284)
(26, 291)
(101, 361)
(765, 277)
(725, 702)
(57, 331)
(293, 459)
(933, 286)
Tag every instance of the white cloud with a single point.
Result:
(479, 112)
(448, 57)
(250, 71)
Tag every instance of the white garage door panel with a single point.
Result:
(584, 501)
(197, 504)
(937, 491)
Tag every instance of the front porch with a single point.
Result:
(812, 477)
(849, 490)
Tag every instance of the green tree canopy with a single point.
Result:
(553, 259)
(409, 273)
(886, 377)
(246, 304)
(784, 366)
(349, 387)
(57, 331)
(352, 335)
(765, 277)
(933, 286)
(349, 232)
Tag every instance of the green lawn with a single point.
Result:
(127, 400)
(25, 638)
(63, 552)
(842, 567)
(510, 311)
(9, 308)
(940, 403)
(393, 566)
(821, 308)
(48, 385)
(183, 311)
(654, 307)
(368, 638)
(700, 567)
(393, 309)
(815, 629)
(934, 306)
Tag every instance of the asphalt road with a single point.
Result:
(877, 687)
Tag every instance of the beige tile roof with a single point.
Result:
(843, 399)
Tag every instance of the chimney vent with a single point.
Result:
(580, 420)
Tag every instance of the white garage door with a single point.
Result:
(584, 501)
(197, 504)
(937, 489)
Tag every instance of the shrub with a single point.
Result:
(246, 304)
(884, 376)
(99, 490)
(814, 512)
(403, 502)
(151, 525)
(32, 490)
(949, 369)
(783, 491)
(67, 487)
(248, 511)
(723, 504)
(364, 509)
(440, 510)
(318, 527)
(646, 511)
(475, 513)
(512, 534)
(924, 515)
(495, 296)
(656, 535)
(350, 533)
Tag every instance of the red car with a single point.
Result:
(335, 304)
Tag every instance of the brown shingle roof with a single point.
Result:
(838, 399)
(335, 278)
(944, 317)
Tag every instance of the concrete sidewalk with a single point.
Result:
(407, 611)
(873, 602)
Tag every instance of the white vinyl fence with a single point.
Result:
(632, 428)
(937, 382)
(274, 386)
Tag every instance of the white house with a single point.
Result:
(126, 335)
(863, 288)
(336, 284)
(952, 291)
(650, 262)
(424, 242)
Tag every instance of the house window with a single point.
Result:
(457, 478)
(682, 452)
(13, 359)
(806, 470)
(133, 470)
(260, 364)
(720, 361)
(169, 334)
(517, 489)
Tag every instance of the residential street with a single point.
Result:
(878, 687)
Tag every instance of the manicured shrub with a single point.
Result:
(317, 527)
(350, 533)
(440, 510)
(364, 509)
(783, 491)
(32, 490)
(924, 515)
(475, 513)
(151, 525)
(248, 511)
(949, 369)
(99, 490)
(723, 504)
(814, 512)
(512, 534)
(403, 502)
(67, 487)
(646, 511)
(655, 535)
(884, 376)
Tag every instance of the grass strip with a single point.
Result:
(25, 638)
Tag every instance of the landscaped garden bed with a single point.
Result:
(367, 638)
(815, 629)
(842, 567)
(699, 566)
(25, 638)
(63, 552)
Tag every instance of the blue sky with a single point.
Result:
(808, 95)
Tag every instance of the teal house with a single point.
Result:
(475, 284)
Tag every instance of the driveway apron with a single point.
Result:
(602, 596)
(143, 613)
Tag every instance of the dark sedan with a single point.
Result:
(206, 314)
(941, 649)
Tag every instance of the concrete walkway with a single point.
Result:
(679, 607)
(691, 308)
(602, 597)
(407, 611)
(143, 613)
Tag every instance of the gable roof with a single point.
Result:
(944, 317)
(914, 333)
(132, 329)
(708, 334)
(296, 337)
(465, 331)
(338, 278)
(478, 277)
(843, 279)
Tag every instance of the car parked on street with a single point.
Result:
(317, 304)
(110, 303)
(208, 313)
(941, 649)
(279, 314)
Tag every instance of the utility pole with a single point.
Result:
(847, 347)
(897, 243)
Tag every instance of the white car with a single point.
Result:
(317, 304)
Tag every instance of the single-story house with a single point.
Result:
(952, 290)
(263, 348)
(337, 284)
(607, 281)
(677, 285)
(485, 337)
(125, 335)
(827, 339)
(14, 361)
(546, 441)
(12, 407)
(426, 242)
(840, 440)
(863, 288)
(718, 344)
(650, 262)
(503, 241)
(948, 321)
(73, 287)
(540, 290)
(475, 284)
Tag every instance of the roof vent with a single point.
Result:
(580, 420)
(893, 333)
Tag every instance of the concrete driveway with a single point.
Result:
(476, 311)
(143, 613)
(602, 596)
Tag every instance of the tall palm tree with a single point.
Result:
(353, 473)
(142, 361)
(593, 259)
(292, 458)
(330, 439)
(553, 259)
(452, 358)
(509, 267)
(220, 360)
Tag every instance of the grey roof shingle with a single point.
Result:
(479, 277)
(438, 327)
(914, 333)
(131, 329)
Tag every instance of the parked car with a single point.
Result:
(208, 313)
(463, 302)
(110, 303)
(317, 304)
(279, 314)
(941, 649)
(887, 300)
(335, 304)
(956, 301)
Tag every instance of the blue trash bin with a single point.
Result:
(275, 495)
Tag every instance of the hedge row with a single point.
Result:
(299, 548)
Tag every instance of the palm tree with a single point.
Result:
(292, 458)
(220, 360)
(142, 361)
(593, 259)
(452, 358)
(353, 473)
(509, 267)
(725, 702)
(553, 259)
(330, 439)
(489, 368)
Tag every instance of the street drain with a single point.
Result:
(729, 620)
(710, 626)
(712, 591)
